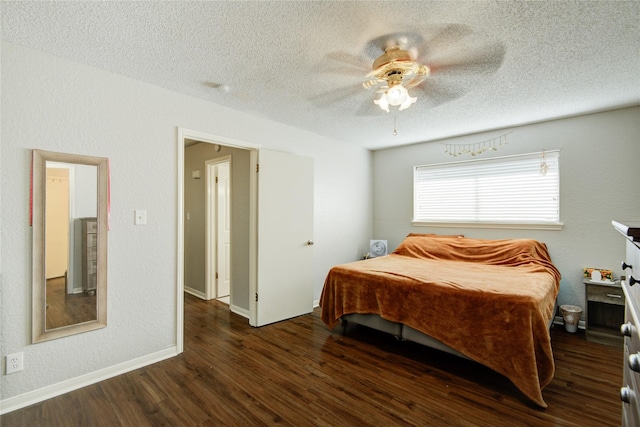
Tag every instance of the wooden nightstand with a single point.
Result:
(604, 312)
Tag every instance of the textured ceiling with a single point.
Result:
(496, 64)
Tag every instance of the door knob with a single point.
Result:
(309, 242)
(626, 329)
(634, 362)
(625, 394)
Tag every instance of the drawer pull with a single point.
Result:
(625, 394)
(632, 281)
(626, 329)
(634, 362)
(625, 265)
(614, 296)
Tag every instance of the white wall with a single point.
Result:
(58, 105)
(85, 191)
(599, 177)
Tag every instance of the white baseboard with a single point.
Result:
(240, 311)
(195, 292)
(316, 303)
(39, 395)
(233, 308)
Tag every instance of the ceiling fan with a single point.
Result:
(439, 66)
(394, 72)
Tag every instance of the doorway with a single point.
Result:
(278, 249)
(60, 251)
(194, 148)
(57, 220)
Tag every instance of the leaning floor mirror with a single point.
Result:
(69, 217)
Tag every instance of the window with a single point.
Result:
(516, 191)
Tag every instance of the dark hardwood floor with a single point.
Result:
(297, 373)
(67, 309)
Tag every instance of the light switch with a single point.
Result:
(140, 217)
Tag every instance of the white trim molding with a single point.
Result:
(555, 226)
(23, 400)
(196, 293)
(182, 136)
(239, 311)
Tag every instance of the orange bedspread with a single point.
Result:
(491, 300)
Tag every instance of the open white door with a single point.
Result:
(224, 230)
(285, 237)
(218, 228)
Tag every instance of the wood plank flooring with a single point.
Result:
(67, 309)
(297, 373)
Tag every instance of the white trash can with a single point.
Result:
(571, 315)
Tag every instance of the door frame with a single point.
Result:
(211, 228)
(71, 279)
(182, 137)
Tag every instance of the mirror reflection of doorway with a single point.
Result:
(65, 302)
(57, 221)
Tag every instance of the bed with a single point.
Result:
(491, 301)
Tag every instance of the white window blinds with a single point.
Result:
(516, 189)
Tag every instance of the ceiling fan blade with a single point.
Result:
(368, 108)
(363, 65)
(404, 40)
(485, 59)
(449, 51)
(414, 82)
(444, 38)
(436, 93)
(336, 95)
(341, 70)
(413, 53)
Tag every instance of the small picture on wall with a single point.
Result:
(377, 248)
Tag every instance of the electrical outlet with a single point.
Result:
(15, 363)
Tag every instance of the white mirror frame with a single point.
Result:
(38, 211)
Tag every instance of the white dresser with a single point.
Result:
(630, 393)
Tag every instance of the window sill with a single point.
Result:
(555, 226)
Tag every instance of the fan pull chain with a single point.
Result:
(395, 125)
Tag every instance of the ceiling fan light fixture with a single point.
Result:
(407, 102)
(395, 68)
(396, 95)
(383, 103)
